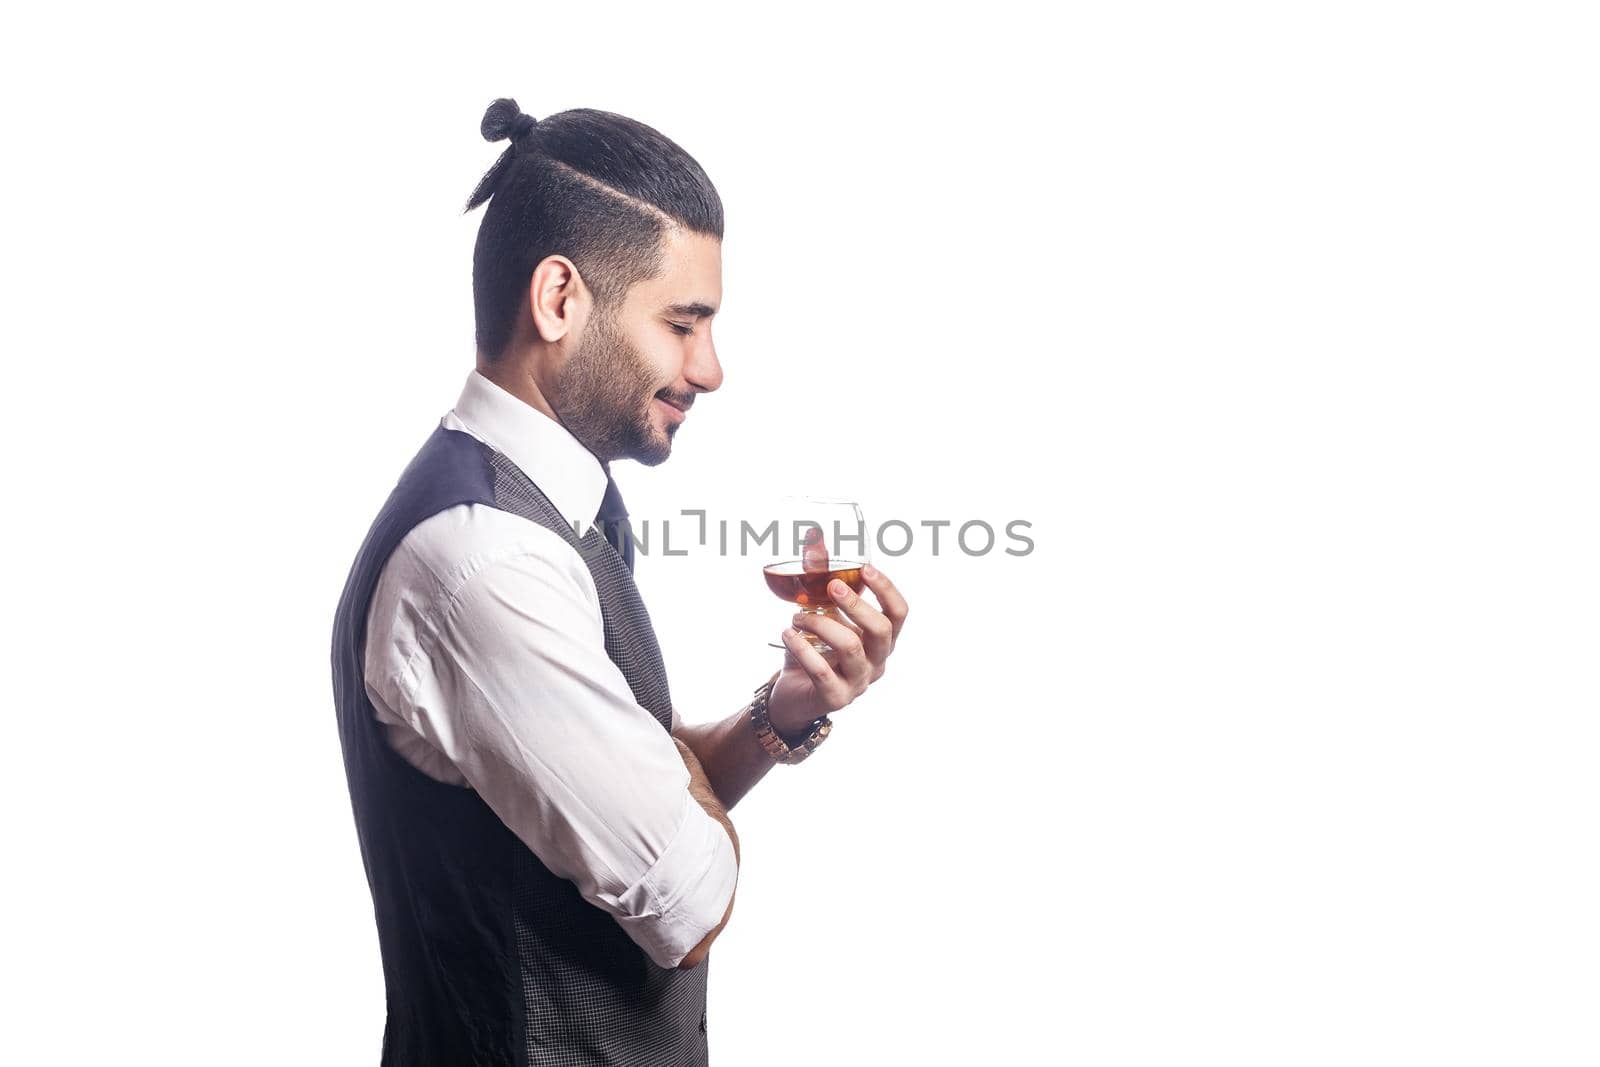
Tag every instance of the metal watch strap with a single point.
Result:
(774, 745)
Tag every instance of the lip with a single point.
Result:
(679, 413)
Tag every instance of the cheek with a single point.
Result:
(661, 364)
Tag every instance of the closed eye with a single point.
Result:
(678, 327)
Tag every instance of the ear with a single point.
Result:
(557, 298)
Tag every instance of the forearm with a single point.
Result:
(700, 789)
(732, 756)
(704, 792)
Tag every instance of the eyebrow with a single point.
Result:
(695, 310)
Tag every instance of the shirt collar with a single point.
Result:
(568, 474)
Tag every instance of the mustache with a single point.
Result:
(679, 400)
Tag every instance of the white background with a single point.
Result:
(1277, 322)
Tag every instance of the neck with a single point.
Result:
(515, 376)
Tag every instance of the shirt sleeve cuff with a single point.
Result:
(685, 894)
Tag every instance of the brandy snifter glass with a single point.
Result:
(817, 539)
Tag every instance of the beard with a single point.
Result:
(605, 391)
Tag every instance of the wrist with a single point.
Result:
(782, 741)
(790, 719)
(794, 737)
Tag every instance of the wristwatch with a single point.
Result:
(775, 746)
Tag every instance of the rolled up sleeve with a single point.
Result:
(511, 682)
(684, 895)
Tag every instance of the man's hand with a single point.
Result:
(812, 685)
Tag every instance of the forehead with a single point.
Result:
(691, 273)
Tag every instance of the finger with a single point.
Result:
(830, 658)
(894, 605)
(842, 620)
(877, 632)
(833, 690)
(851, 654)
(790, 663)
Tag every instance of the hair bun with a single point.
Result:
(505, 119)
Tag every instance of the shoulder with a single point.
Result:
(452, 544)
(448, 551)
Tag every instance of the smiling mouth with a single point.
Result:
(675, 405)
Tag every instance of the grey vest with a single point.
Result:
(488, 957)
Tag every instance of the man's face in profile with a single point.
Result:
(637, 367)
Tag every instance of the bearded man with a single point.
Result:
(547, 842)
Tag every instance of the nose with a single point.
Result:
(704, 371)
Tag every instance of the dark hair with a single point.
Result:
(595, 187)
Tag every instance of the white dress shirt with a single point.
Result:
(486, 664)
